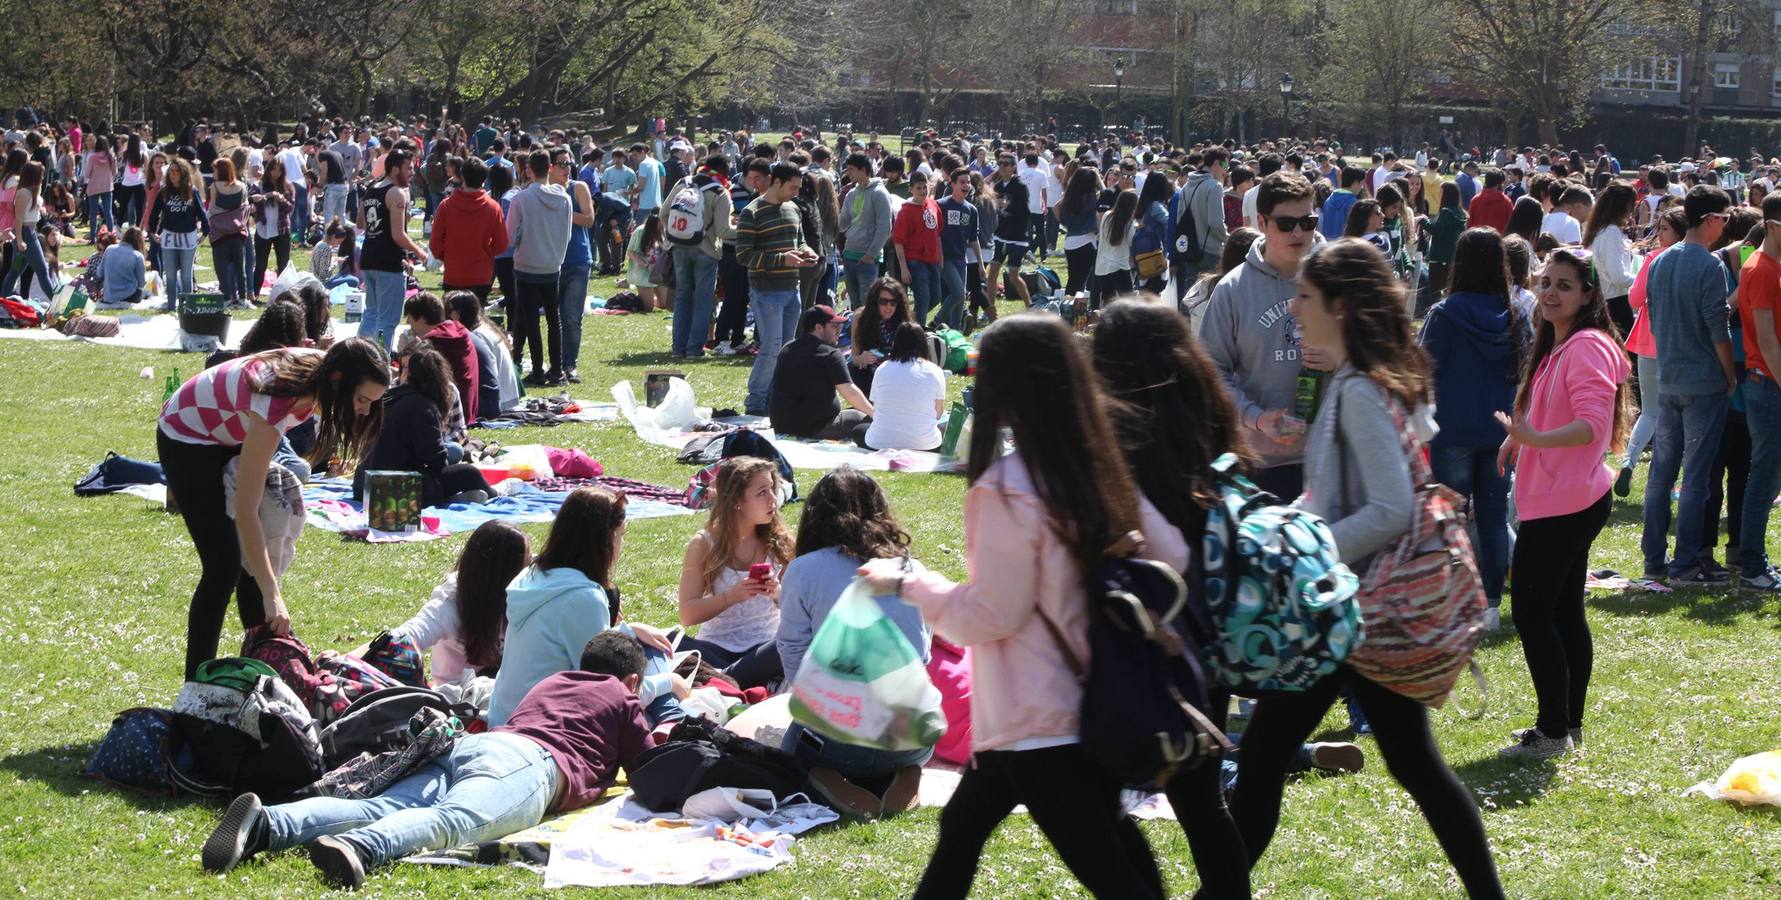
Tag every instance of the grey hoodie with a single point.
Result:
(1207, 197)
(1255, 342)
(538, 229)
(866, 219)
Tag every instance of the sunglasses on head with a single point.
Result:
(1301, 223)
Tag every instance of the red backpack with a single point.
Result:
(327, 688)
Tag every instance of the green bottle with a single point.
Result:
(1308, 394)
(172, 385)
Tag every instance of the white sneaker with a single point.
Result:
(1493, 619)
(723, 350)
(1532, 744)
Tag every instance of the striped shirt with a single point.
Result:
(765, 233)
(212, 408)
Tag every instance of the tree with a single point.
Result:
(1379, 57)
(1544, 57)
(1242, 73)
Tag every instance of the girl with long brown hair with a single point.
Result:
(875, 327)
(1612, 251)
(243, 408)
(1350, 304)
(1572, 409)
(462, 623)
(729, 576)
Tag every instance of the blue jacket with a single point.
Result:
(1686, 293)
(551, 615)
(1469, 337)
(1333, 218)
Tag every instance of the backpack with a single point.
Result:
(379, 721)
(1145, 708)
(399, 659)
(1188, 244)
(243, 735)
(698, 756)
(958, 351)
(114, 473)
(684, 222)
(1422, 598)
(1282, 604)
(1042, 283)
(325, 689)
(136, 751)
(748, 442)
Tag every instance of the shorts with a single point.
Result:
(1010, 253)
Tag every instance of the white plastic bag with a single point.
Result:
(863, 683)
(291, 279)
(676, 411)
(728, 804)
(1751, 781)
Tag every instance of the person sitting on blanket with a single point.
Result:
(413, 436)
(729, 577)
(847, 520)
(427, 320)
(280, 325)
(492, 357)
(811, 372)
(565, 597)
(908, 396)
(559, 751)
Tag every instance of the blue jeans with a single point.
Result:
(1762, 410)
(776, 314)
(176, 272)
(338, 280)
(952, 283)
(486, 786)
(334, 202)
(572, 295)
(924, 281)
(1688, 429)
(226, 254)
(1472, 472)
(384, 294)
(99, 207)
(35, 263)
(695, 298)
(851, 760)
(1646, 427)
(300, 211)
(859, 275)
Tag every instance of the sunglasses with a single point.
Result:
(1719, 215)
(1302, 223)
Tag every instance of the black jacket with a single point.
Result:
(412, 439)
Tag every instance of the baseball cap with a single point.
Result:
(829, 313)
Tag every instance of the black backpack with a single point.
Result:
(216, 760)
(1145, 712)
(699, 756)
(1185, 248)
(379, 720)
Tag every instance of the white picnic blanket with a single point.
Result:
(624, 844)
(159, 332)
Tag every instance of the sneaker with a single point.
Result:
(1623, 484)
(722, 350)
(1767, 582)
(750, 350)
(1575, 733)
(1713, 568)
(1701, 576)
(1338, 756)
(339, 862)
(904, 788)
(535, 379)
(1493, 620)
(572, 376)
(240, 835)
(843, 796)
(1533, 744)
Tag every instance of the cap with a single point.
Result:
(830, 312)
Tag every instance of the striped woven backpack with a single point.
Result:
(1421, 599)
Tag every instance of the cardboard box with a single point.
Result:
(393, 500)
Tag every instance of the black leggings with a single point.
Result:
(263, 248)
(1112, 286)
(1281, 723)
(195, 477)
(1076, 807)
(1081, 262)
(1198, 798)
(1547, 575)
(536, 298)
(732, 314)
(504, 277)
(977, 292)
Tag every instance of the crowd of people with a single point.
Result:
(1332, 318)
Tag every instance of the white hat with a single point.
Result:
(1686, 167)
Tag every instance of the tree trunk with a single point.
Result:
(1697, 80)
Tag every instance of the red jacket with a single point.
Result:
(917, 231)
(468, 233)
(1490, 209)
(452, 341)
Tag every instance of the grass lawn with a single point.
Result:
(97, 591)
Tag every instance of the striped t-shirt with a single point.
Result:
(212, 407)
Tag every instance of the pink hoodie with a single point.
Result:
(1577, 380)
(1022, 687)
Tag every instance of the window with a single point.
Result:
(1651, 73)
(1775, 88)
(1725, 75)
(1119, 7)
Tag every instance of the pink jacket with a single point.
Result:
(1577, 380)
(1022, 686)
(1640, 340)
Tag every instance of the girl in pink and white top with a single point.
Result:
(1573, 408)
(243, 408)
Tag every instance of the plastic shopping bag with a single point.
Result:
(676, 409)
(1753, 780)
(862, 682)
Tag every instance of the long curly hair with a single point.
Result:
(1593, 314)
(1375, 324)
(729, 492)
(848, 510)
(867, 322)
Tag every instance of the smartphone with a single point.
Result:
(760, 571)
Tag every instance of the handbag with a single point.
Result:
(1150, 264)
(1422, 600)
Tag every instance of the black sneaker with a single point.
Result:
(535, 379)
(1701, 576)
(240, 835)
(1713, 568)
(339, 862)
(572, 376)
(1623, 483)
(552, 379)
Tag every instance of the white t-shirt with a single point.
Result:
(292, 159)
(1056, 185)
(1251, 215)
(903, 395)
(1560, 225)
(1037, 183)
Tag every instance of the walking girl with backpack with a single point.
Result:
(1036, 525)
(1358, 477)
(243, 408)
(1573, 407)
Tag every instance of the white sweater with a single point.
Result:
(1615, 264)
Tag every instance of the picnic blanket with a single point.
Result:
(156, 332)
(331, 508)
(801, 454)
(528, 849)
(624, 844)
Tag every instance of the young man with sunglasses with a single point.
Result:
(1255, 341)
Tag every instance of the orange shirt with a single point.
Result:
(1759, 287)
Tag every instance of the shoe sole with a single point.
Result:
(845, 797)
(225, 846)
(1336, 757)
(903, 792)
(1623, 484)
(338, 862)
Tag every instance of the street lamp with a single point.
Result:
(1285, 103)
(1118, 88)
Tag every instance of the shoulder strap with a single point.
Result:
(1076, 667)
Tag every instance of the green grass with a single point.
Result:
(96, 593)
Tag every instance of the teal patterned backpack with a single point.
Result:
(1282, 602)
